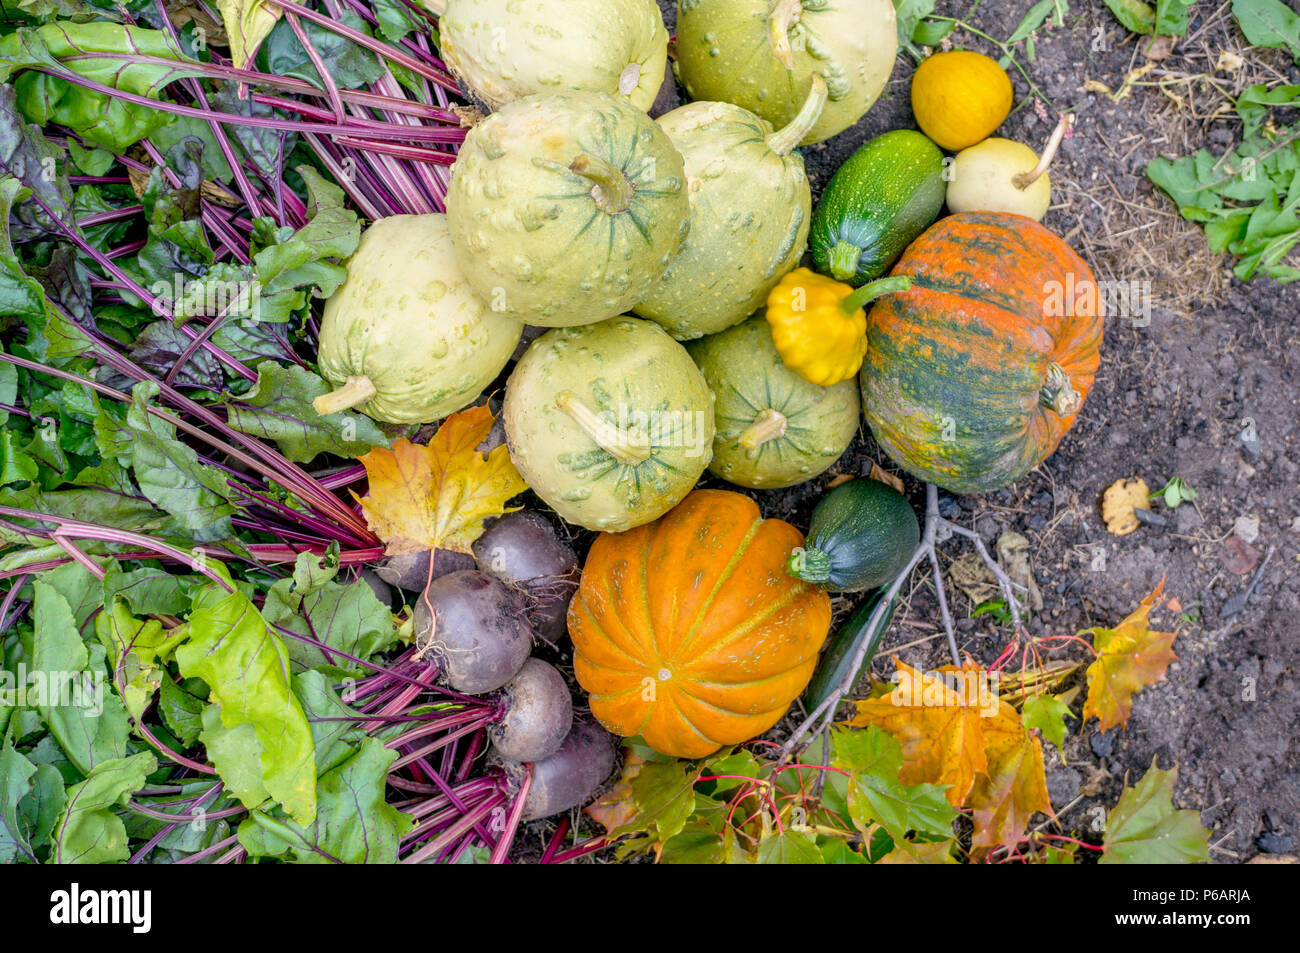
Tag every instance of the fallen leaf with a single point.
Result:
(940, 731)
(1274, 859)
(1129, 658)
(1047, 713)
(1173, 605)
(617, 807)
(838, 479)
(437, 496)
(1013, 557)
(1159, 47)
(1014, 787)
(972, 577)
(884, 476)
(911, 852)
(1144, 827)
(1239, 557)
(1118, 503)
(1228, 62)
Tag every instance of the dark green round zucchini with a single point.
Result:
(881, 198)
(861, 536)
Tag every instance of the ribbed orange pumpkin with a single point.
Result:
(689, 632)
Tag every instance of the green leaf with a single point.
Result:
(279, 407)
(1134, 15)
(1172, 17)
(909, 13)
(1269, 23)
(1036, 17)
(74, 700)
(15, 465)
(876, 795)
(148, 590)
(354, 823)
(133, 646)
(332, 232)
(33, 161)
(87, 831)
(246, 667)
(664, 796)
(1047, 713)
(31, 796)
(350, 66)
(1144, 827)
(182, 709)
(172, 478)
(346, 617)
(790, 847)
(247, 23)
(837, 851)
(59, 48)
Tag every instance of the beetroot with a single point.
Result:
(524, 550)
(478, 633)
(411, 571)
(572, 775)
(538, 716)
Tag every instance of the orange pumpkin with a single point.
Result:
(689, 632)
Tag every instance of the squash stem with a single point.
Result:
(769, 425)
(1058, 393)
(810, 565)
(628, 447)
(783, 141)
(873, 290)
(1023, 180)
(844, 260)
(357, 389)
(784, 15)
(610, 189)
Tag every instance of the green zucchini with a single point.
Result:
(861, 536)
(882, 197)
(843, 645)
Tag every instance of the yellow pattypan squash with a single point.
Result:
(819, 326)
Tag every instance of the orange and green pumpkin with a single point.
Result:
(973, 375)
(689, 632)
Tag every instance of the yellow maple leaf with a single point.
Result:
(1129, 658)
(437, 496)
(911, 852)
(1014, 788)
(940, 731)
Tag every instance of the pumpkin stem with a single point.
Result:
(610, 189)
(1023, 180)
(1058, 393)
(357, 389)
(629, 447)
(783, 141)
(873, 290)
(810, 565)
(844, 260)
(784, 15)
(769, 425)
(436, 7)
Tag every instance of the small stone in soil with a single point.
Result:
(1101, 743)
(1271, 843)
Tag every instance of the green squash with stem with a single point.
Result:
(405, 339)
(566, 209)
(774, 429)
(762, 55)
(611, 423)
(750, 209)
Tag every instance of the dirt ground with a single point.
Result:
(1206, 391)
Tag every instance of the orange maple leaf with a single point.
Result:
(940, 731)
(1014, 788)
(437, 496)
(1129, 658)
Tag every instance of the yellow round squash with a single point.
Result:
(960, 97)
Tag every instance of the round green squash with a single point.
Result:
(405, 339)
(503, 50)
(862, 535)
(611, 424)
(762, 54)
(750, 205)
(881, 198)
(566, 209)
(774, 429)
